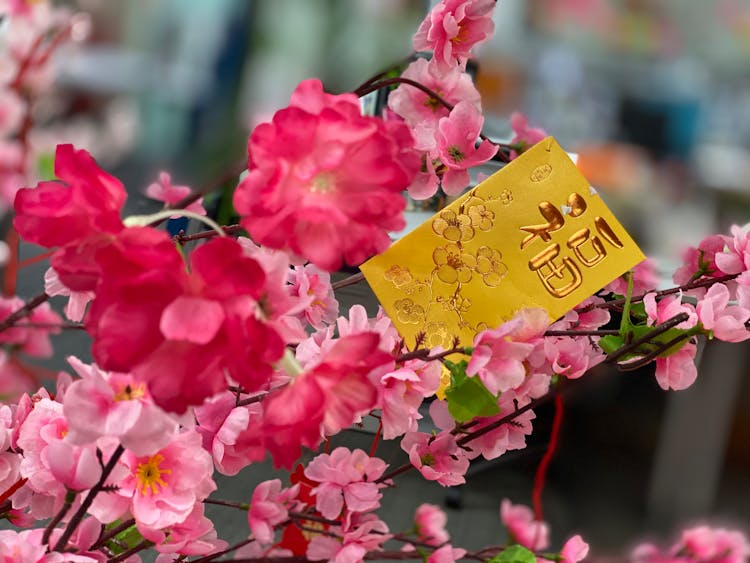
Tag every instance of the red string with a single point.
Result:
(541, 471)
(34, 259)
(376, 439)
(13, 488)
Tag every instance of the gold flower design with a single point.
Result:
(398, 275)
(481, 217)
(490, 266)
(409, 312)
(436, 334)
(452, 226)
(453, 264)
(506, 197)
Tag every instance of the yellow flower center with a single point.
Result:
(323, 183)
(149, 475)
(130, 392)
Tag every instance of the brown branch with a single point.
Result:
(145, 544)
(228, 503)
(658, 330)
(424, 354)
(351, 280)
(574, 332)
(23, 312)
(110, 534)
(648, 358)
(229, 230)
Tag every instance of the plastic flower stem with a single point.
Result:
(144, 220)
(351, 280)
(645, 360)
(231, 504)
(228, 229)
(658, 330)
(145, 544)
(70, 496)
(289, 364)
(95, 490)
(376, 439)
(23, 312)
(230, 549)
(625, 323)
(12, 489)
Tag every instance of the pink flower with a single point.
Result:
(115, 405)
(77, 300)
(33, 341)
(715, 544)
(22, 547)
(677, 371)
(446, 554)
(506, 437)
(522, 527)
(231, 434)
(453, 28)
(269, 507)
(438, 458)
(76, 467)
(163, 489)
(725, 322)
(304, 161)
(163, 190)
(499, 355)
(523, 135)
(365, 532)
(76, 215)
(571, 357)
(326, 398)
(193, 536)
(347, 479)
(574, 550)
(313, 286)
(456, 146)
(645, 278)
(430, 521)
(700, 261)
(666, 308)
(735, 259)
(403, 393)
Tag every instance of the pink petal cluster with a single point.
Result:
(645, 278)
(269, 507)
(162, 489)
(700, 261)
(735, 258)
(31, 340)
(164, 190)
(668, 307)
(77, 300)
(194, 327)
(325, 398)
(429, 522)
(453, 28)
(193, 536)
(523, 528)
(500, 355)
(726, 322)
(78, 215)
(524, 137)
(438, 458)
(404, 390)
(347, 480)
(117, 406)
(313, 286)
(324, 181)
(697, 545)
(365, 532)
(677, 371)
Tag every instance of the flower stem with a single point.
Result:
(144, 220)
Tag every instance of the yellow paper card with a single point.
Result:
(534, 234)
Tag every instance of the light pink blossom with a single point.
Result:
(164, 190)
(726, 322)
(453, 28)
(505, 437)
(347, 479)
(430, 521)
(446, 554)
(77, 300)
(438, 458)
(76, 467)
(403, 393)
(645, 278)
(667, 308)
(735, 259)
(523, 528)
(677, 371)
(574, 550)
(524, 136)
(365, 532)
(269, 506)
(313, 286)
(699, 261)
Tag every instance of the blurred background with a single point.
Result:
(654, 95)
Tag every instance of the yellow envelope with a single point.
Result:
(534, 234)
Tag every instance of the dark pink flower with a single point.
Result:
(438, 458)
(324, 181)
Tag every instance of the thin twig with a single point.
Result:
(23, 312)
(351, 280)
(648, 358)
(145, 544)
(228, 503)
(182, 238)
(658, 330)
(104, 538)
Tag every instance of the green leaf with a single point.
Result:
(514, 554)
(124, 540)
(467, 397)
(45, 166)
(611, 343)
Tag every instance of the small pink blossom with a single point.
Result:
(697, 545)
(193, 536)
(571, 357)
(438, 458)
(77, 300)
(446, 554)
(403, 393)
(313, 286)
(453, 28)
(22, 547)
(523, 528)
(677, 371)
(163, 190)
(523, 135)
(645, 278)
(269, 507)
(33, 341)
(725, 322)
(347, 479)
(365, 532)
(735, 259)
(506, 437)
(76, 467)
(456, 146)
(574, 550)
(430, 521)
(699, 261)
(667, 308)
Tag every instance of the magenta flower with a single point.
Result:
(456, 146)
(269, 507)
(347, 479)
(523, 528)
(438, 458)
(324, 181)
(453, 28)
(313, 288)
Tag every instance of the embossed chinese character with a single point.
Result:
(560, 279)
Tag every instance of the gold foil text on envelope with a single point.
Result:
(534, 234)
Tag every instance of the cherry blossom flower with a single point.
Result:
(312, 284)
(524, 136)
(506, 437)
(574, 550)
(645, 278)
(164, 190)
(677, 371)
(456, 146)
(699, 261)
(403, 393)
(523, 528)
(347, 479)
(446, 554)
(193, 536)
(269, 507)
(724, 321)
(438, 458)
(33, 341)
(76, 467)
(735, 259)
(701, 543)
(301, 163)
(453, 28)
(430, 521)
(667, 308)
(365, 532)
